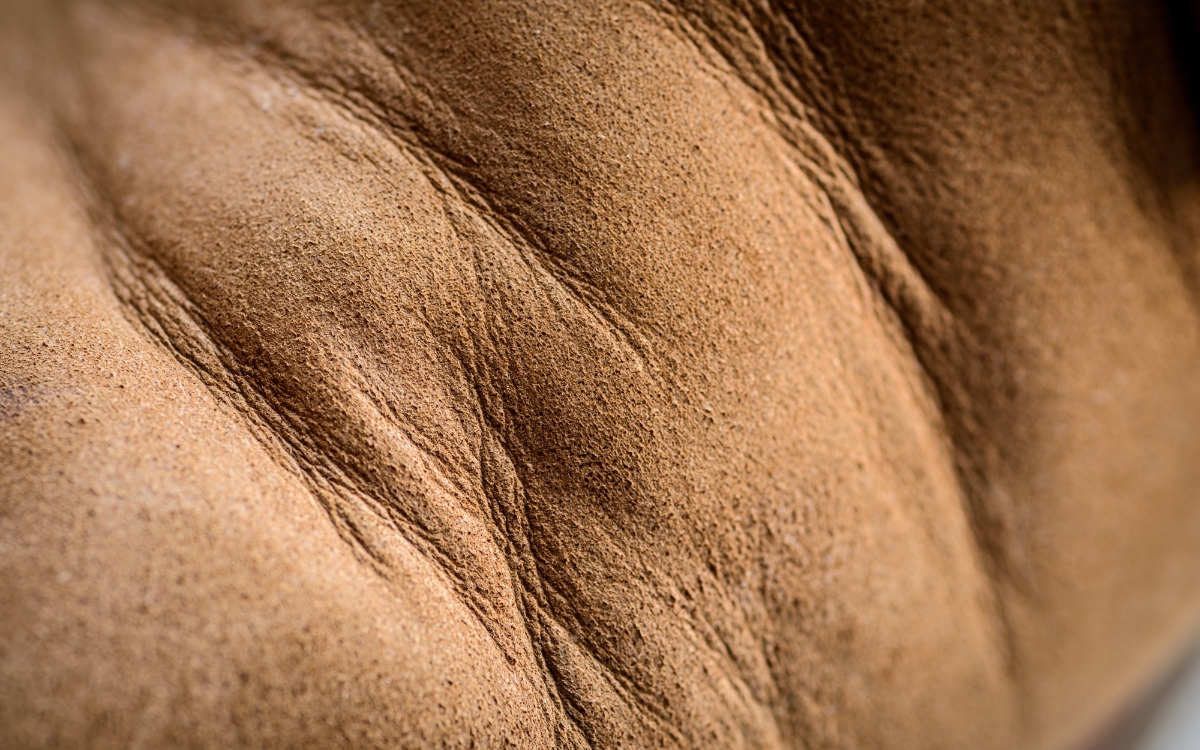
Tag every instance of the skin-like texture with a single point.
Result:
(530, 374)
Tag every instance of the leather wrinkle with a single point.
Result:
(788, 88)
(157, 305)
(141, 286)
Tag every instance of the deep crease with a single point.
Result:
(898, 283)
(333, 482)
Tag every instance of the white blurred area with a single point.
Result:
(1176, 724)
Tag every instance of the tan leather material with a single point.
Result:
(593, 374)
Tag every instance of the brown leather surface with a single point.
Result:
(620, 374)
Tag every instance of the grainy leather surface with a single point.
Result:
(618, 374)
